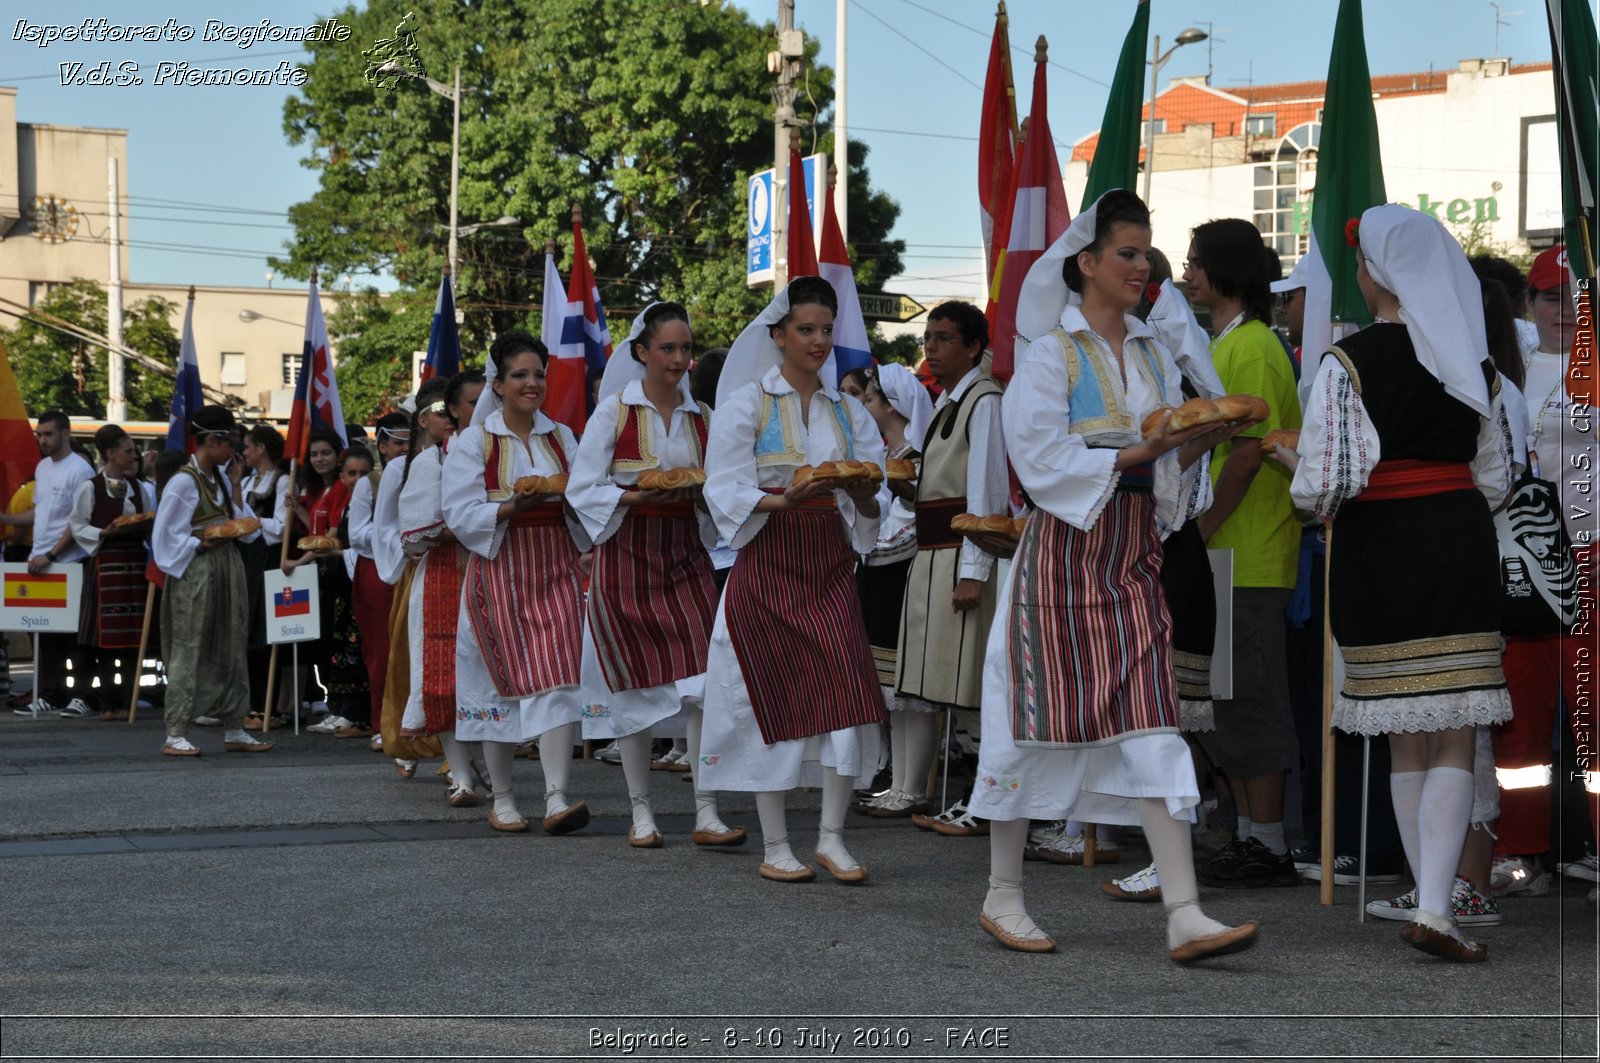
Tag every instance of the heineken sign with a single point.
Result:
(1456, 211)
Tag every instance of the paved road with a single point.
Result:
(328, 908)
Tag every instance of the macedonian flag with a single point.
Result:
(23, 591)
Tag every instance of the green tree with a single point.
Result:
(56, 371)
(649, 115)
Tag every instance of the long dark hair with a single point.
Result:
(1501, 331)
(1230, 250)
(310, 483)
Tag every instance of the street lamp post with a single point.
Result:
(454, 96)
(1157, 61)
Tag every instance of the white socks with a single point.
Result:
(705, 813)
(1405, 788)
(1174, 861)
(236, 734)
(1242, 830)
(1442, 829)
(1270, 835)
(836, 790)
(555, 757)
(1004, 902)
(644, 820)
(459, 756)
(497, 757)
(775, 830)
(898, 761)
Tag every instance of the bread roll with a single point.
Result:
(131, 520)
(231, 529)
(965, 522)
(1208, 411)
(1152, 423)
(1194, 412)
(997, 524)
(1018, 526)
(541, 485)
(1287, 437)
(671, 479)
(310, 543)
(901, 469)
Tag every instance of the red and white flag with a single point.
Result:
(996, 140)
(316, 392)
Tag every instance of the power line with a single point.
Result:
(874, 16)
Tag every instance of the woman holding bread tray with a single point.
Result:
(520, 633)
(1080, 704)
(792, 697)
(203, 621)
(651, 594)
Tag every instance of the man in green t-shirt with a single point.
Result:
(1250, 514)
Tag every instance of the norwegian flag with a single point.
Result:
(316, 392)
(851, 347)
(186, 395)
(583, 335)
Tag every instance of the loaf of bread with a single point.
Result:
(231, 529)
(901, 469)
(1196, 412)
(310, 543)
(130, 520)
(671, 479)
(541, 485)
(1287, 437)
(838, 472)
(998, 524)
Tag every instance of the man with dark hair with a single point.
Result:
(1493, 267)
(56, 481)
(1252, 515)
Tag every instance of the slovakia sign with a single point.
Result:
(47, 602)
(889, 306)
(292, 608)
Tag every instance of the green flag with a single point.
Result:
(1349, 164)
(1116, 153)
(1576, 61)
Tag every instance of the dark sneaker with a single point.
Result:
(1346, 868)
(1248, 865)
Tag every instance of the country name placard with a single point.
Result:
(291, 604)
(45, 602)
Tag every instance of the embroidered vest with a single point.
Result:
(1095, 400)
(778, 438)
(499, 455)
(206, 511)
(265, 503)
(947, 449)
(634, 448)
(104, 508)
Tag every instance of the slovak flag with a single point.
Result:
(851, 348)
(444, 342)
(186, 395)
(316, 392)
(564, 377)
(583, 336)
(291, 602)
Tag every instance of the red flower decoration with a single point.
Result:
(1152, 292)
(1352, 232)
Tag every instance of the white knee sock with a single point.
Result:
(1405, 788)
(705, 813)
(919, 751)
(897, 751)
(1004, 903)
(775, 830)
(459, 756)
(835, 803)
(1242, 830)
(1174, 859)
(1442, 823)
(1270, 835)
(695, 719)
(555, 757)
(498, 757)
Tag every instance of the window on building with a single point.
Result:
(1144, 129)
(291, 369)
(1260, 125)
(1284, 186)
(233, 369)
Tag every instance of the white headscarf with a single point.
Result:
(1174, 325)
(488, 401)
(1044, 292)
(755, 352)
(908, 398)
(1412, 255)
(623, 369)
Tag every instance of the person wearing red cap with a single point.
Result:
(1541, 668)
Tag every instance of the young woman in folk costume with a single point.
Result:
(1404, 434)
(1186, 580)
(203, 622)
(521, 617)
(1080, 706)
(373, 596)
(111, 614)
(651, 595)
(792, 697)
(434, 609)
(951, 589)
(396, 435)
(264, 492)
(900, 407)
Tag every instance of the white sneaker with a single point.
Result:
(1587, 869)
(207, 721)
(76, 709)
(377, 743)
(36, 707)
(328, 724)
(1039, 837)
(611, 754)
(1518, 874)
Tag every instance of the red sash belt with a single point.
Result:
(933, 523)
(825, 501)
(663, 509)
(1407, 478)
(544, 515)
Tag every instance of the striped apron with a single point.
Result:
(441, 603)
(795, 623)
(652, 598)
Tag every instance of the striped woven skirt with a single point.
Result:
(1089, 636)
(526, 605)
(441, 609)
(795, 623)
(652, 599)
(114, 590)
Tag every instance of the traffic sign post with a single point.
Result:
(758, 230)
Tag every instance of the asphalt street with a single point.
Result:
(311, 903)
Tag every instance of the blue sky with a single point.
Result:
(212, 174)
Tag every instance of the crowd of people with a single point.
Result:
(707, 564)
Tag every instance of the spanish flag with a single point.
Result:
(23, 591)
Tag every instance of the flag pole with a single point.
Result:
(1327, 723)
(283, 559)
(144, 644)
(1005, 52)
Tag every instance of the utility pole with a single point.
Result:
(455, 162)
(116, 402)
(841, 134)
(785, 62)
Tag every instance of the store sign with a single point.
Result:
(1456, 211)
